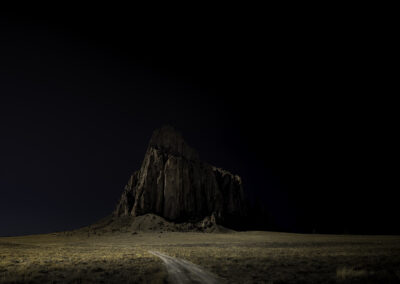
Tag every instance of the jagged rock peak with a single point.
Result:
(174, 184)
(170, 141)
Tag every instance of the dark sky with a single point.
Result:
(296, 107)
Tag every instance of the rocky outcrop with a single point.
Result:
(176, 185)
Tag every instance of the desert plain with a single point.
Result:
(233, 257)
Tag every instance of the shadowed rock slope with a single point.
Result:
(175, 184)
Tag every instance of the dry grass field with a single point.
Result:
(238, 257)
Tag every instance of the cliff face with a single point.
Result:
(175, 184)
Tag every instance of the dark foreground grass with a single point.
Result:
(245, 257)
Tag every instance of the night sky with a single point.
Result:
(296, 108)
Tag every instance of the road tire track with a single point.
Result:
(181, 271)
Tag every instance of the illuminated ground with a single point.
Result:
(245, 257)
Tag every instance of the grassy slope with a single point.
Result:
(245, 257)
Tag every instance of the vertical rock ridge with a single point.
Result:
(173, 183)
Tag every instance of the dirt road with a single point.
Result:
(181, 271)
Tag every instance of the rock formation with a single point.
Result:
(176, 185)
